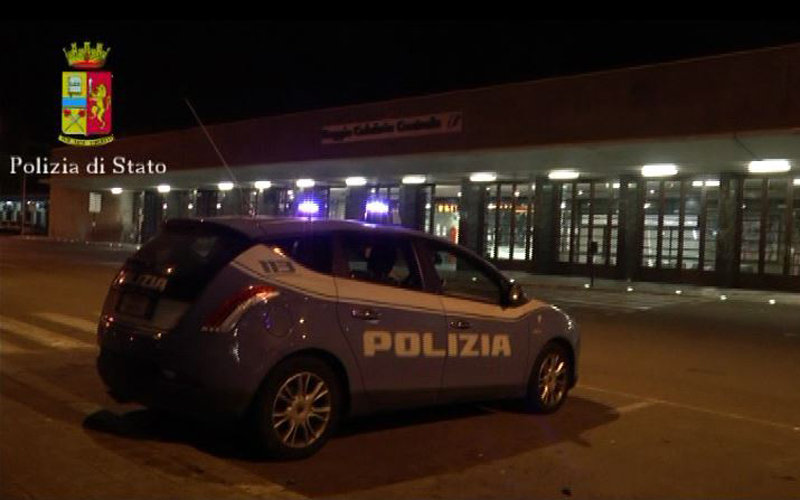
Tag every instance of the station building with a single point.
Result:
(684, 172)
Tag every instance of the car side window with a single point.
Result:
(462, 277)
(381, 259)
(313, 252)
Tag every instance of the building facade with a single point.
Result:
(681, 172)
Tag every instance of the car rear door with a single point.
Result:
(395, 329)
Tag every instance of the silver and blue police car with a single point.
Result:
(293, 324)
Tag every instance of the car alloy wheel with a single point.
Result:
(552, 380)
(297, 408)
(301, 410)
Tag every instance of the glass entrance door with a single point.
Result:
(769, 252)
(441, 210)
(508, 222)
(679, 236)
(588, 220)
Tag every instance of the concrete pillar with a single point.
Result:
(152, 214)
(631, 227)
(730, 227)
(205, 205)
(128, 216)
(231, 202)
(471, 208)
(412, 206)
(268, 202)
(545, 223)
(356, 202)
(176, 204)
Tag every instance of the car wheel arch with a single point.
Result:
(328, 358)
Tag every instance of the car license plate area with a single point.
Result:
(134, 304)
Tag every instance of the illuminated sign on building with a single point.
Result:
(393, 128)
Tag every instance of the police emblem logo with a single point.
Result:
(86, 97)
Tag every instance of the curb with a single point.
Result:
(722, 294)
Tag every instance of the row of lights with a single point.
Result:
(722, 297)
(650, 170)
(670, 169)
(300, 183)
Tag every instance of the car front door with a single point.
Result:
(488, 341)
(396, 330)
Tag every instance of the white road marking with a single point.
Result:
(734, 416)
(70, 321)
(634, 406)
(41, 336)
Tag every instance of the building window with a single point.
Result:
(583, 222)
(504, 221)
(767, 223)
(681, 220)
(709, 226)
(794, 250)
(652, 211)
(523, 222)
(337, 203)
(490, 217)
(508, 221)
(671, 224)
(565, 223)
(777, 230)
(441, 211)
(588, 213)
(767, 226)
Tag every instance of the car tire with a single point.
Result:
(297, 408)
(550, 379)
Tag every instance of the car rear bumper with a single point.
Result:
(141, 380)
(201, 379)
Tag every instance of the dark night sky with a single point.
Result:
(235, 70)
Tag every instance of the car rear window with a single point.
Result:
(189, 254)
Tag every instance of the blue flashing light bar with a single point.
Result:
(308, 207)
(377, 207)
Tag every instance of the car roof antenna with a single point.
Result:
(219, 153)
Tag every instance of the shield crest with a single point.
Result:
(86, 103)
(86, 96)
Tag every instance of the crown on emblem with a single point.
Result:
(86, 56)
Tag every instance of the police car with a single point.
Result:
(293, 324)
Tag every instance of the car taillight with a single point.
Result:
(229, 313)
(120, 278)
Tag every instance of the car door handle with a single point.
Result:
(460, 324)
(367, 314)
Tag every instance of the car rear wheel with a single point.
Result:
(550, 379)
(297, 408)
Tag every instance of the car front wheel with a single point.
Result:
(550, 379)
(297, 408)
